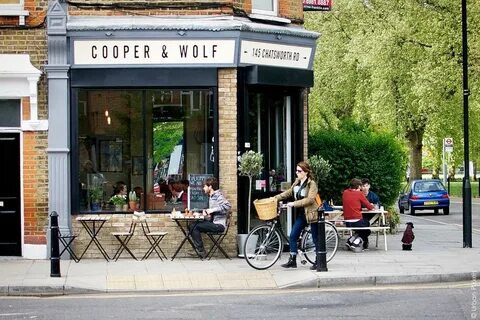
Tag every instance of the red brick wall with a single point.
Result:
(35, 187)
(31, 39)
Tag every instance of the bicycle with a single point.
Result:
(264, 243)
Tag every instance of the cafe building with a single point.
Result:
(153, 105)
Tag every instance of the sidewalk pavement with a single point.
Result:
(437, 256)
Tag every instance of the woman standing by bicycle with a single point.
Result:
(303, 191)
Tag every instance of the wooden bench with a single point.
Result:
(376, 229)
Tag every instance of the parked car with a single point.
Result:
(424, 195)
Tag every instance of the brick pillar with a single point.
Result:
(227, 145)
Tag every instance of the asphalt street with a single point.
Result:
(453, 301)
(456, 214)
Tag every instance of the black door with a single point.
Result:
(10, 222)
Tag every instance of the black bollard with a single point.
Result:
(322, 247)
(54, 248)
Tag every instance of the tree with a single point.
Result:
(395, 65)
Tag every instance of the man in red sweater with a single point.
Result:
(353, 199)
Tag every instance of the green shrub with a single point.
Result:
(359, 153)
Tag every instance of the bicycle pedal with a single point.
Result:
(303, 262)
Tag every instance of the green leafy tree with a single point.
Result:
(396, 65)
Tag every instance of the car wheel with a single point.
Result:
(446, 211)
(412, 211)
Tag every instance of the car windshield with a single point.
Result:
(428, 186)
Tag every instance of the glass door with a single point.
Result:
(271, 132)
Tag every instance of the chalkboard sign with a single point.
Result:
(198, 199)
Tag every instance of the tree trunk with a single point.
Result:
(415, 139)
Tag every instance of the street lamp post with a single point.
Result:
(467, 188)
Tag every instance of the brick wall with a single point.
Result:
(32, 41)
(35, 187)
(227, 145)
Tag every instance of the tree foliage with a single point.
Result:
(397, 66)
(363, 154)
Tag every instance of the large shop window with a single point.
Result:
(150, 141)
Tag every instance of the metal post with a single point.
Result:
(321, 245)
(55, 251)
(467, 188)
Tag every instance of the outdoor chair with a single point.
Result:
(67, 241)
(124, 238)
(217, 239)
(154, 238)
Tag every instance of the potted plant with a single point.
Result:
(95, 196)
(321, 170)
(118, 201)
(132, 200)
(250, 165)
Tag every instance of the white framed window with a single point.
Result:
(14, 8)
(267, 7)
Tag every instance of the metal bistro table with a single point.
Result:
(93, 224)
(183, 224)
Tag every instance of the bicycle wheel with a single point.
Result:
(331, 243)
(262, 247)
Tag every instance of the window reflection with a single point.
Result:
(150, 139)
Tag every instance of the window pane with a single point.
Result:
(182, 132)
(110, 146)
(10, 110)
(267, 5)
(144, 139)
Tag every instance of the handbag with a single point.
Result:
(311, 216)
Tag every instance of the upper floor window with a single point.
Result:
(268, 7)
(13, 8)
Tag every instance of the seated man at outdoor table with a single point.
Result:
(371, 196)
(215, 215)
(353, 199)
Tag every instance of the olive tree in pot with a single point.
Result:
(321, 170)
(250, 165)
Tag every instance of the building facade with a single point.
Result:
(158, 95)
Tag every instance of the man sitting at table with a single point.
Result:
(215, 215)
(371, 196)
(353, 199)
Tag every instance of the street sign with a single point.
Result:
(448, 144)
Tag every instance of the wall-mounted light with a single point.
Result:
(107, 115)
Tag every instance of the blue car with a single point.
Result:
(424, 195)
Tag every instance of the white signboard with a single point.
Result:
(116, 52)
(271, 54)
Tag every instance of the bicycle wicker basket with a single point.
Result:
(266, 208)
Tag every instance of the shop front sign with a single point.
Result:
(277, 55)
(146, 52)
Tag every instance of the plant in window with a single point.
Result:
(132, 200)
(250, 165)
(95, 195)
(118, 200)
